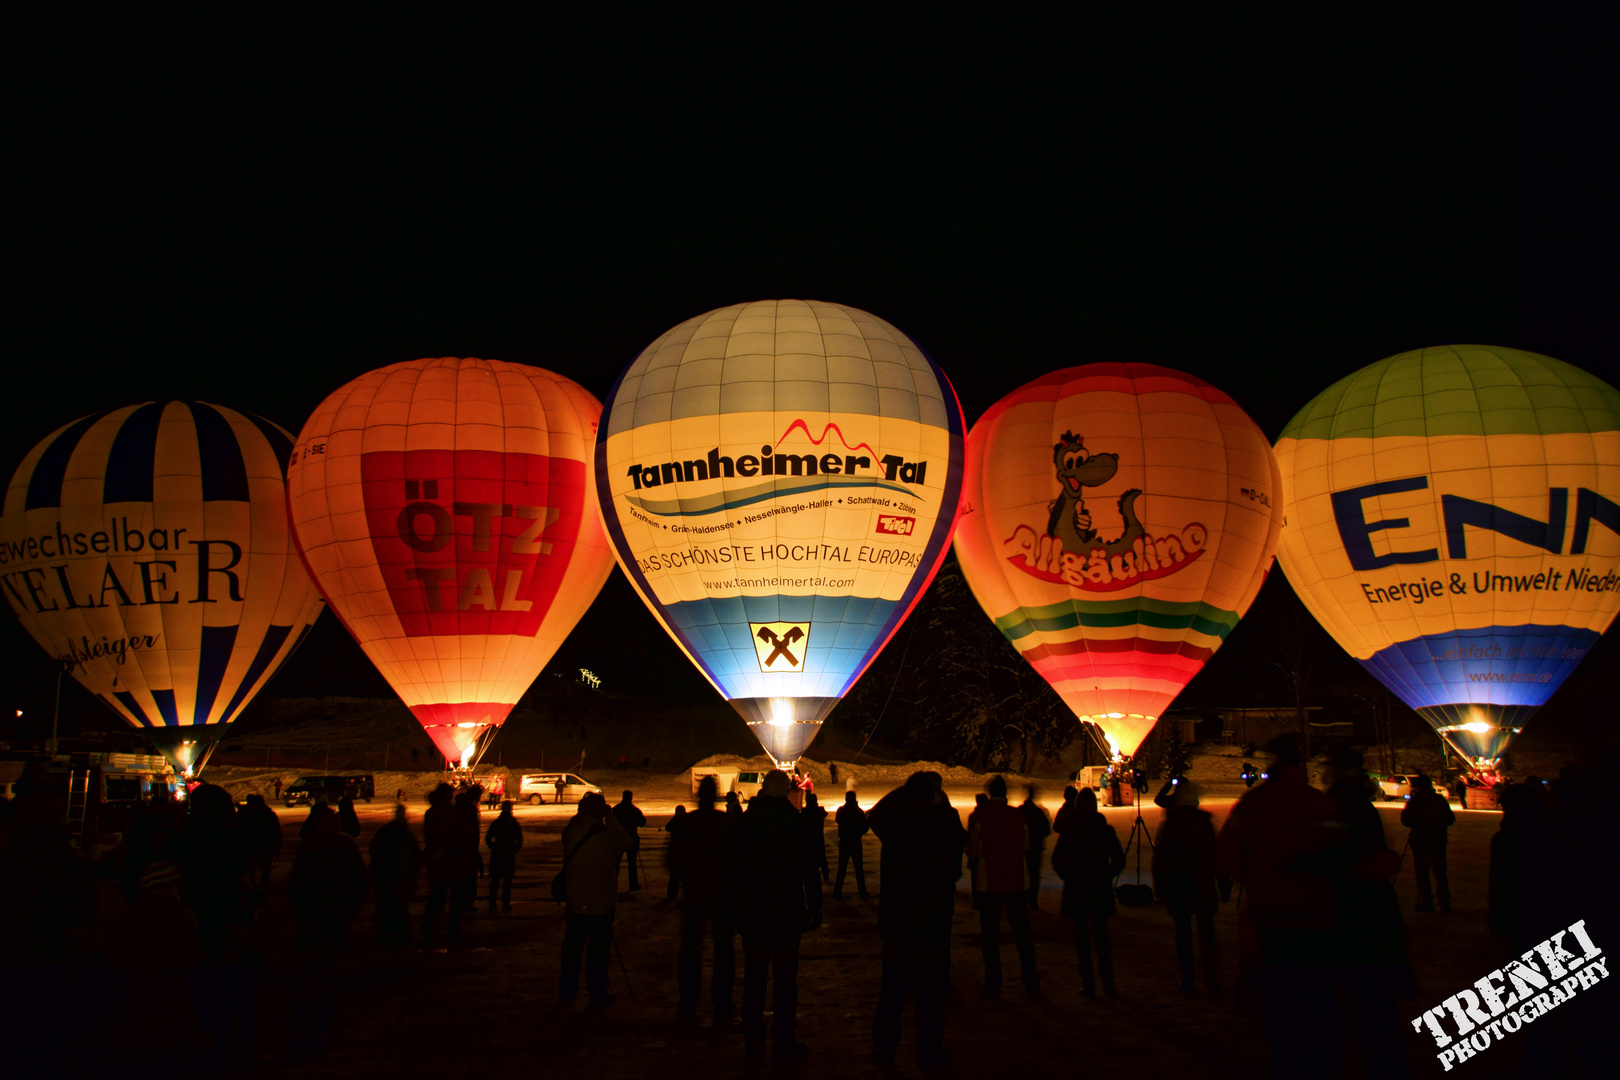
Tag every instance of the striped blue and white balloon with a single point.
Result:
(148, 549)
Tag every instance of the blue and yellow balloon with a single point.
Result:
(147, 548)
(780, 480)
(1453, 520)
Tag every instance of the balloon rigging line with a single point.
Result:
(911, 628)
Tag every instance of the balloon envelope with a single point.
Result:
(780, 480)
(1452, 520)
(148, 548)
(1117, 521)
(446, 510)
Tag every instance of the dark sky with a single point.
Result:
(247, 208)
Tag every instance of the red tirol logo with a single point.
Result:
(896, 525)
(466, 539)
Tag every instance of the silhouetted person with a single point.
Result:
(214, 864)
(1429, 816)
(672, 852)
(504, 840)
(278, 788)
(780, 898)
(980, 801)
(1061, 818)
(348, 820)
(631, 819)
(1370, 937)
(395, 860)
(1273, 842)
(1038, 828)
(1188, 878)
(1525, 874)
(259, 836)
(1088, 858)
(703, 860)
(815, 820)
(998, 843)
(921, 861)
(326, 891)
(439, 852)
(593, 843)
(733, 803)
(852, 825)
(467, 856)
(308, 827)
(1249, 775)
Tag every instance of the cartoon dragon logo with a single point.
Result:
(1072, 552)
(1077, 469)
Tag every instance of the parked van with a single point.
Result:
(330, 789)
(539, 788)
(725, 779)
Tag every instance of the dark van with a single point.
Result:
(330, 789)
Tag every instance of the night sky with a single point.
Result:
(252, 210)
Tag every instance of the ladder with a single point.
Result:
(78, 800)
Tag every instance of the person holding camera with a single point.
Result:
(1189, 880)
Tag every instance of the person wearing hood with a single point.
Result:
(779, 871)
(1189, 880)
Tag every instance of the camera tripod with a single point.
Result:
(1139, 835)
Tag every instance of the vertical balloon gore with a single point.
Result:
(147, 548)
(1454, 524)
(780, 480)
(446, 510)
(1117, 521)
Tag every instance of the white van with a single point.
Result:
(725, 779)
(551, 787)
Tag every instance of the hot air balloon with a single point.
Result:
(780, 480)
(1117, 521)
(446, 510)
(147, 549)
(1452, 521)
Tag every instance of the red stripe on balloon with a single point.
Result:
(1114, 645)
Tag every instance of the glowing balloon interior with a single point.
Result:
(1452, 523)
(446, 510)
(1117, 521)
(147, 547)
(780, 480)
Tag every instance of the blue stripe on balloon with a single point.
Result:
(127, 699)
(218, 642)
(280, 444)
(219, 456)
(1497, 665)
(273, 638)
(166, 707)
(129, 463)
(843, 633)
(45, 485)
